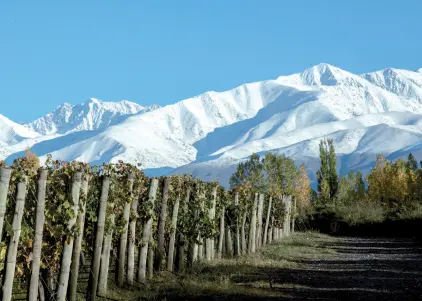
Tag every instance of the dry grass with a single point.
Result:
(248, 277)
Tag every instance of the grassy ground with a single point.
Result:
(246, 278)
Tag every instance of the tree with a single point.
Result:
(360, 185)
(345, 189)
(333, 177)
(280, 174)
(249, 175)
(31, 160)
(303, 192)
(411, 163)
(322, 173)
(328, 171)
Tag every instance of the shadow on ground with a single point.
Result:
(362, 269)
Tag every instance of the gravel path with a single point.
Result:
(362, 269)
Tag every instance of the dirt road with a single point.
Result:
(361, 269)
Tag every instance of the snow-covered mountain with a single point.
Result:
(207, 135)
(91, 115)
(12, 133)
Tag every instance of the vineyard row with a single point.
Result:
(58, 219)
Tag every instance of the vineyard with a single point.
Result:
(124, 227)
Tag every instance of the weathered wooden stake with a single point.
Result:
(146, 233)
(182, 243)
(270, 233)
(39, 228)
(105, 254)
(12, 248)
(68, 244)
(252, 228)
(161, 249)
(121, 263)
(99, 237)
(77, 246)
(229, 241)
(131, 245)
(293, 215)
(267, 221)
(150, 259)
(259, 221)
(170, 259)
(243, 233)
(221, 236)
(5, 174)
(209, 242)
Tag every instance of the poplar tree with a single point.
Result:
(411, 163)
(333, 177)
(360, 185)
(322, 173)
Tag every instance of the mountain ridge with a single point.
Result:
(207, 135)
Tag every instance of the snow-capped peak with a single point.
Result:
(320, 75)
(401, 82)
(324, 75)
(90, 115)
(207, 135)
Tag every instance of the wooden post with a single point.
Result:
(259, 223)
(105, 254)
(252, 229)
(131, 245)
(270, 233)
(5, 174)
(229, 241)
(170, 259)
(289, 215)
(77, 247)
(243, 233)
(209, 242)
(146, 233)
(201, 249)
(39, 228)
(221, 236)
(123, 238)
(68, 244)
(161, 249)
(293, 215)
(193, 252)
(12, 248)
(150, 260)
(213, 212)
(236, 230)
(287, 206)
(181, 254)
(99, 237)
(267, 221)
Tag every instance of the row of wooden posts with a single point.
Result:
(232, 241)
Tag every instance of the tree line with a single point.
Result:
(390, 191)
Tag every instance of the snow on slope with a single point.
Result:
(209, 134)
(91, 115)
(10, 133)
(165, 137)
(358, 141)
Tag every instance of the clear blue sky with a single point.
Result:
(164, 51)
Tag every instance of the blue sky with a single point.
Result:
(164, 51)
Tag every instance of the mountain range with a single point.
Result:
(208, 135)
